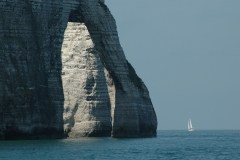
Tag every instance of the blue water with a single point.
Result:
(169, 145)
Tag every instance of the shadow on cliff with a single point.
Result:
(31, 99)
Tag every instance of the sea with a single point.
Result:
(168, 145)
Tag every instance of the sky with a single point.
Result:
(187, 52)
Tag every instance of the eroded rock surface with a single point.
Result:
(62, 69)
(86, 106)
(31, 94)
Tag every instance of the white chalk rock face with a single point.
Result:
(86, 105)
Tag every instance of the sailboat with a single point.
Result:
(190, 127)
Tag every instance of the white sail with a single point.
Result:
(190, 127)
(190, 123)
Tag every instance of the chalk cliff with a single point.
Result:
(63, 73)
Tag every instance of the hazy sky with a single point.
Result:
(188, 54)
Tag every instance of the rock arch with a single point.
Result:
(88, 90)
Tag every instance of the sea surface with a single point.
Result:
(169, 145)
